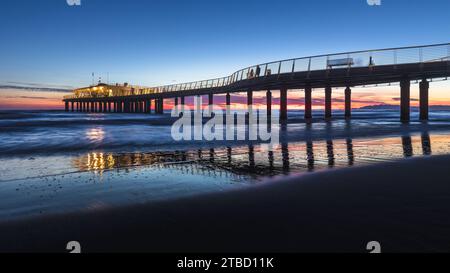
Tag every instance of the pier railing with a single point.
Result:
(379, 57)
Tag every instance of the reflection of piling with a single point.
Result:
(211, 155)
(426, 144)
(285, 157)
(271, 160)
(350, 153)
(330, 153)
(407, 146)
(310, 155)
(251, 156)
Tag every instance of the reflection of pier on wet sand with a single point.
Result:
(250, 160)
(336, 211)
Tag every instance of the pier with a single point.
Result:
(343, 70)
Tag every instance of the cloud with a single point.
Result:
(28, 88)
(398, 99)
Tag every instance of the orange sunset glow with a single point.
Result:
(16, 99)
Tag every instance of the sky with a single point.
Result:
(48, 47)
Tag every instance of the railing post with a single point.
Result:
(395, 58)
(309, 69)
(293, 69)
(279, 70)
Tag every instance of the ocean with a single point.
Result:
(54, 162)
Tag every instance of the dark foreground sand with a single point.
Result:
(405, 206)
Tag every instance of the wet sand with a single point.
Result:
(404, 205)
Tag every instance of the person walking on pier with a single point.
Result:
(258, 71)
(251, 74)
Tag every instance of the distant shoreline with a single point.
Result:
(396, 204)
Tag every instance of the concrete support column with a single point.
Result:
(283, 104)
(348, 102)
(92, 107)
(308, 102)
(176, 103)
(182, 102)
(249, 97)
(228, 99)
(269, 103)
(160, 106)
(146, 103)
(328, 106)
(73, 106)
(198, 105)
(67, 106)
(210, 99)
(405, 100)
(210, 102)
(424, 92)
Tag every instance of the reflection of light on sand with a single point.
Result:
(98, 162)
(294, 157)
(95, 134)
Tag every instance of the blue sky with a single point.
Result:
(159, 42)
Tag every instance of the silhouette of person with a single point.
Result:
(258, 71)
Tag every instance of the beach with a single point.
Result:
(119, 183)
(403, 205)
